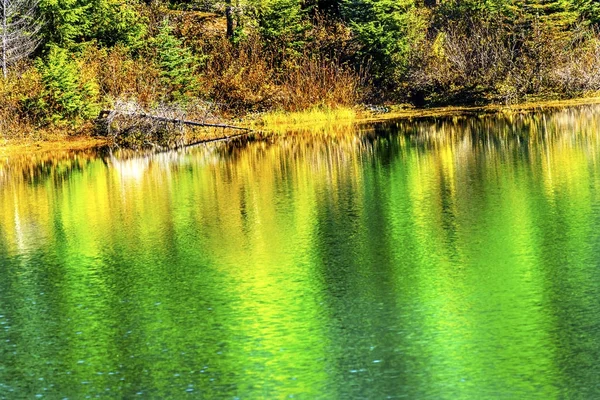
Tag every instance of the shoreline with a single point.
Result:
(18, 147)
(278, 122)
(449, 111)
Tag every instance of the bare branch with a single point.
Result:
(19, 28)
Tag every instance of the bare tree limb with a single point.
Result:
(19, 28)
(107, 113)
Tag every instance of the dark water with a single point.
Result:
(456, 258)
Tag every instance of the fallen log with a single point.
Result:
(214, 140)
(106, 114)
(129, 125)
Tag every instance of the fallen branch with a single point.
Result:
(105, 114)
(221, 139)
(130, 125)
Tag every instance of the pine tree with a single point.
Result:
(388, 31)
(70, 22)
(177, 64)
(589, 10)
(66, 21)
(555, 15)
(66, 94)
(282, 25)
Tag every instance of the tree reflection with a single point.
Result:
(450, 257)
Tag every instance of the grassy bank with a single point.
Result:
(281, 122)
(313, 121)
(288, 62)
(408, 112)
(14, 147)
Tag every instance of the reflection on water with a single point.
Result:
(455, 258)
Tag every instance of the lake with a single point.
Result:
(448, 258)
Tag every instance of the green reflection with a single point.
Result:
(452, 258)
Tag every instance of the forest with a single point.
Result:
(65, 60)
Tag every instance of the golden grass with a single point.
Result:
(315, 118)
(19, 147)
(313, 121)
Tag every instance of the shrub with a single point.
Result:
(123, 76)
(66, 93)
(69, 23)
(317, 81)
(176, 63)
(388, 31)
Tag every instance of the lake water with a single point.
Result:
(450, 258)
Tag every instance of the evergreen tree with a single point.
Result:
(66, 21)
(177, 64)
(69, 22)
(66, 94)
(116, 21)
(589, 10)
(388, 31)
(554, 15)
(281, 24)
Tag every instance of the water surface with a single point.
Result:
(450, 258)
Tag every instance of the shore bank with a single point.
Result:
(449, 111)
(14, 147)
(316, 119)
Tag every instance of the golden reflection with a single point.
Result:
(452, 224)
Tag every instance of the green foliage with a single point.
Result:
(589, 10)
(282, 25)
(66, 21)
(66, 93)
(554, 15)
(117, 22)
(70, 22)
(177, 64)
(388, 31)
(459, 10)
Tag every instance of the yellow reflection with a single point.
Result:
(463, 214)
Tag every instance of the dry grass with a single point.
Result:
(122, 76)
(238, 77)
(248, 78)
(23, 81)
(312, 116)
(319, 82)
(11, 148)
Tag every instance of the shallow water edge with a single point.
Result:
(300, 121)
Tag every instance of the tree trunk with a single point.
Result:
(4, 33)
(229, 17)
